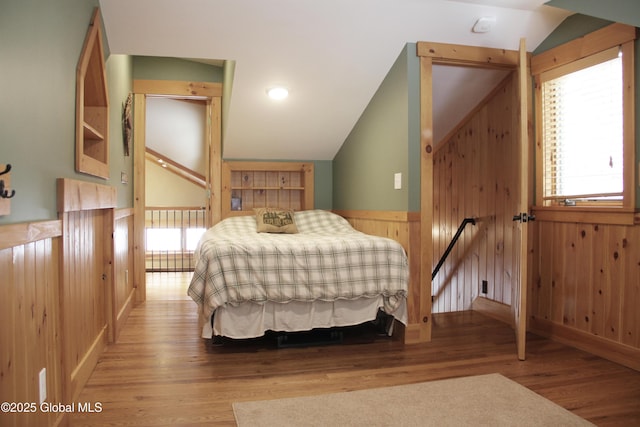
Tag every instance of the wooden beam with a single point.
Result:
(597, 41)
(471, 56)
(28, 232)
(176, 168)
(177, 88)
(82, 195)
(422, 319)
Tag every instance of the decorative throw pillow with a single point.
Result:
(272, 220)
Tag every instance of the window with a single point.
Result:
(582, 130)
(164, 239)
(585, 122)
(173, 239)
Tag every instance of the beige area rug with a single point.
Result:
(484, 400)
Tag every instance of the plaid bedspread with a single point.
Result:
(326, 260)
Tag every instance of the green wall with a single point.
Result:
(156, 68)
(624, 11)
(323, 184)
(119, 75)
(161, 68)
(384, 141)
(40, 44)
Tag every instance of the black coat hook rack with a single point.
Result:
(4, 193)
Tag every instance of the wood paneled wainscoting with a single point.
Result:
(123, 288)
(65, 293)
(96, 294)
(585, 286)
(30, 338)
(404, 227)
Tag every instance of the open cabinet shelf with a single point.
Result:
(250, 185)
(92, 105)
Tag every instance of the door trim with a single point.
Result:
(212, 93)
(445, 54)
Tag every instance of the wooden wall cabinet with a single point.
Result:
(92, 105)
(249, 185)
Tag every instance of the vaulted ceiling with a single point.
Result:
(331, 54)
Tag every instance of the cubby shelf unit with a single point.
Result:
(249, 185)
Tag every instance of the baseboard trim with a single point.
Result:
(82, 372)
(623, 354)
(493, 309)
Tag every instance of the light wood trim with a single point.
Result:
(123, 213)
(589, 44)
(264, 166)
(177, 88)
(92, 104)
(82, 195)
(107, 235)
(580, 64)
(593, 44)
(539, 142)
(80, 375)
(616, 352)
(173, 208)
(471, 56)
(214, 170)
(629, 126)
(28, 232)
(139, 137)
(494, 309)
(519, 291)
(176, 168)
(620, 216)
(403, 227)
(30, 337)
(123, 295)
(228, 167)
(402, 216)
(123, 314)
(213, 93)
(426, 201)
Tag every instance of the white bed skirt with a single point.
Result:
(252, 320)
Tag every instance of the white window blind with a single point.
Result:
(582, 109)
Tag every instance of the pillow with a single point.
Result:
(272, 220)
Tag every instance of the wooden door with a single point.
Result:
(522, 217)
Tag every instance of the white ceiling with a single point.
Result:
(332, 54)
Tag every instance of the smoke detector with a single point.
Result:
(484, 24)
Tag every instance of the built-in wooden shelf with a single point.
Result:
(249, 185)
(92, 105)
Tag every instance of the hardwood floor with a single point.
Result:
(168, 286)
(161, 373)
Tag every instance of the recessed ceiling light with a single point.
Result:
(278, 92)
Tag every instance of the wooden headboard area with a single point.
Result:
(249, 185)
(289, 185)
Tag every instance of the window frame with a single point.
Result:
(590, 45)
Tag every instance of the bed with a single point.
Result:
(319, 273)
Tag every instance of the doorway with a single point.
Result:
(505, 130)
(183, 199)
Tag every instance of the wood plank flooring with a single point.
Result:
(161, 373)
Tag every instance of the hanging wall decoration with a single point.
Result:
(6, 193)
(127, 124)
